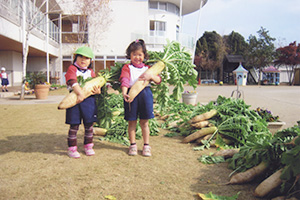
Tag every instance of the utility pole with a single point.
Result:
(197, 31)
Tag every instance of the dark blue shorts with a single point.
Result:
(4, 81)
(86, 111)
(141, 106)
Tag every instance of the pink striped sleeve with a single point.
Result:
(125, 76)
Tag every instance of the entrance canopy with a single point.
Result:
(271, 69)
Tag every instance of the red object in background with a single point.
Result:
(199, 81)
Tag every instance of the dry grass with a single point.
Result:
(34, 164)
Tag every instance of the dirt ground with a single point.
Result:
(34, 164)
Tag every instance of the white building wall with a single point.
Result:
(36, 64)
(17, 68)
(6, 61)
(128, 17)
(12, 61)
(171, 20)
(285, 72)
(10, 30)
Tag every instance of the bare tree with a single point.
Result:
(99, 19)
(92, 18)
(34, 14)
(94, 13)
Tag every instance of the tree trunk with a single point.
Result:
(259, 76)
(199, 75)
(24, 64)
(293, 75)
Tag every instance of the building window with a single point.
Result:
(153, 4)
(177, 32)
(173, 8)
(157, 28)
(165, 6)
(74, 29)
(162, 6)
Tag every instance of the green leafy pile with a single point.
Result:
(281, 151)
(268, 150)
(179, 70)
(235, 121)
(291, 173)
(248, 131)
(107, 104)
(111, 117)
(238, 122)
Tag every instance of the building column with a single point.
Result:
(197, 31)
(47, 40)
(60, 50)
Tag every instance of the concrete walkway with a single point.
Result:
(12, 98)
(30, 99)
(283, 101)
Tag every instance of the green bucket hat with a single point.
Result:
(85, 51)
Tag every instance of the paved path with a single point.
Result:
(283, 101)
(30, 99)
(12, 98)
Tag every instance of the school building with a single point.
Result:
(58, 27)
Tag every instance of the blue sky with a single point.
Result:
(280, 17)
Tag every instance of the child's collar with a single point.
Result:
(82, 68)
(139, 65)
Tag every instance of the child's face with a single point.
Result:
(83, 61)
(137, 56)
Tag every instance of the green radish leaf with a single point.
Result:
(211, 196)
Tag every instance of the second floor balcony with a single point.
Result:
(12, 11)
(155, 42)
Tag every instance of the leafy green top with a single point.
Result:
(179, 70)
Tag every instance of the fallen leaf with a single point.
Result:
(110, 197)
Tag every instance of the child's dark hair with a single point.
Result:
(135, 45)
(76, 55)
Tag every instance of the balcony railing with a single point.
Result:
(12, 11)
(157, 42)
(70, 37)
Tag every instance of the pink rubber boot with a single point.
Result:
(73, 153)
(88, 148)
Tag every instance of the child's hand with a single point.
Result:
(78, 91)
(150, 77)
(80, 97)
(145, 77)
(126, 97)
(96, 90)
